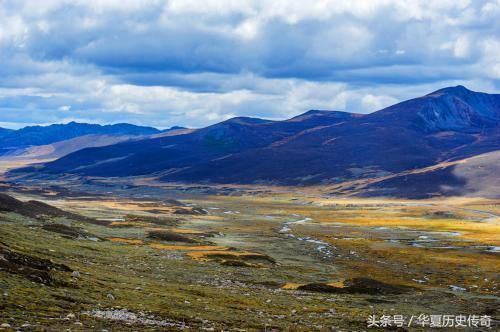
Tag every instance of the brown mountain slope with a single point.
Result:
(474, 176)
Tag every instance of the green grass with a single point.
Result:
(170, 285)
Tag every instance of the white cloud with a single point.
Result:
(248, 29)
(461, 48)
(490, 62)
(373, 103)
(13, 30)
(189, 63)
(65, 108)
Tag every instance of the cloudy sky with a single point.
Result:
(193, 63)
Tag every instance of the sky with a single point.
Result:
(193, 63)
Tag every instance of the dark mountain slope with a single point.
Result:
(174, 153)
(314, 148)
(475, 176)
(449, 123)
(455, 108)
(34, 209)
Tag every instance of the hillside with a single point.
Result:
(475, 176)
(184, 151)
(62, 148)
(412, 134)
(317, 147)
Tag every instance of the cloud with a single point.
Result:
(373, 103)
(178, 62)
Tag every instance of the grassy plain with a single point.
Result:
(253, 261)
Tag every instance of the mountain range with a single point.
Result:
(41, 135)
(410, 149)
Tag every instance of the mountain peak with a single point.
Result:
(318, 115)
(246, 120)
(458, 108)
(458, 90)
(315, 112)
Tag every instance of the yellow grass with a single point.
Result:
(291, 285)
(187, 248)
(130, 206)
(338, 284)
(483, 232)
(176, 230)
(206, 217)
(126, 241)
(185, 231)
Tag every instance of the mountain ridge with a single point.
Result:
(313, 148)
(43, 135)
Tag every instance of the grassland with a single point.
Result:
(260, 261)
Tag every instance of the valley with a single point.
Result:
(325, 221)
(177, 257)
(249, 166)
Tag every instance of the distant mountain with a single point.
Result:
(43, 135)
(4, 131)
(61, 148)
(317, 147)
(173, 128)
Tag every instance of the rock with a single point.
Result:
(75, 274)
(130, 318)
(457, 288)
(79, 323)
(110, 296)
(6, 325)
(70, 316)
